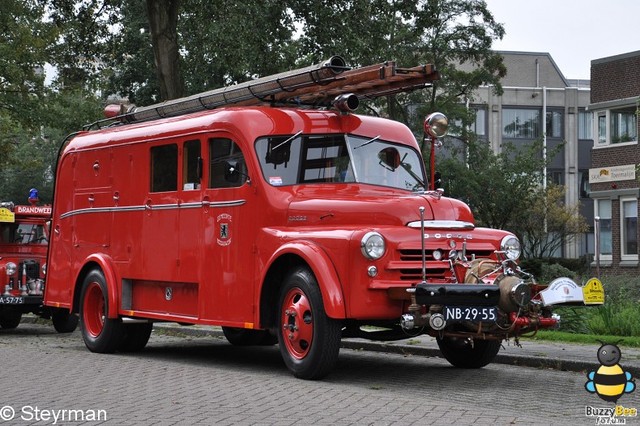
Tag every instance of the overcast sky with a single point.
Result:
(574, 32)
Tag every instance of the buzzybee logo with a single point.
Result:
(610, 381)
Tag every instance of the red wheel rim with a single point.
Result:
(297, 323)
(94, 310)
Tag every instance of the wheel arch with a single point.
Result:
(301, 254)
(105, 265)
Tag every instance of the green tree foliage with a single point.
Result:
(445, 33)
(506, 191)
(33, 117)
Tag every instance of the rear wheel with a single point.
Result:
(309, 339)
(64, 321)
(100, 333)
(247, 337)
(467, 353)
(136, 337)
(9, 318)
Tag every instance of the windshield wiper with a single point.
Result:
(288, 140)
(368, 142)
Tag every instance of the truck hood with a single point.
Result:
(361, 204)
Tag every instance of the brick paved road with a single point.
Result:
(180, 380)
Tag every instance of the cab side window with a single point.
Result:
(164, 168)
(227, 167)
(191, 165)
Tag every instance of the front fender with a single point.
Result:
(323, 269)
(105, 263)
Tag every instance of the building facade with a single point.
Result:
(613, 177)
(539, 103)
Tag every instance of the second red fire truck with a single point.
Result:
(272, 210)
(23, 252)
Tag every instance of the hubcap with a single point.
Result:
(297, 323)
(94, 307)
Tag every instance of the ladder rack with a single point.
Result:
(317, 85)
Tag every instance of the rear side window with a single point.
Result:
(164, 168)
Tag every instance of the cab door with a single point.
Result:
(229, 230)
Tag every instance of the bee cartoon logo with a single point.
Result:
(610, 381)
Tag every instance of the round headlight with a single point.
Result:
(44, 269)
(11, 268)
(510, 245)
(372, 245)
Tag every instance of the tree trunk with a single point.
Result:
(163, 21)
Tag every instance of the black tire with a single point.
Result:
(9, 318)
(462, 353)
(309, 340)
(100, 334)
(247, 337)
(136, 337)
(64, 321)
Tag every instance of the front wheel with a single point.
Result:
(100, 333)
(467, 353)
(309, 340)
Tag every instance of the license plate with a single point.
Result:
(11, 300)
(470, 313)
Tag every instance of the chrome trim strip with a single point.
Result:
(441, 224)
(117, 209)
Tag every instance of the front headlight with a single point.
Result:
(372, 245)
(11, 268)
(510, 245)
(44, 269)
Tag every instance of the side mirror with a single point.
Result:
(436, 125)
(390, 157)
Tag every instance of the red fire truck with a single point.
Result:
(23, 251)
(271, 209)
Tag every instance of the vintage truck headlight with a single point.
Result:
(44, 269)
(510, 245)
(372, 245)
(11, 268)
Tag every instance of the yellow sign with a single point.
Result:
(593, 292)
(7, 215)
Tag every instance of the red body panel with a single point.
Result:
(203, 255)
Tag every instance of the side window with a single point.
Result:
(227, 167)
(192, 166)
(164, 168)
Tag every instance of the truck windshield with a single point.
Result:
(22, 233)
(299, 159)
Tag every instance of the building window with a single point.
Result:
(554, 124)
(602, 128)
(164, 168)
(629, 227)
(585, 188)
(479, 127)
(617, 125)
(603, 210)
(521, 123)
(585, 125)
(623, 124)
